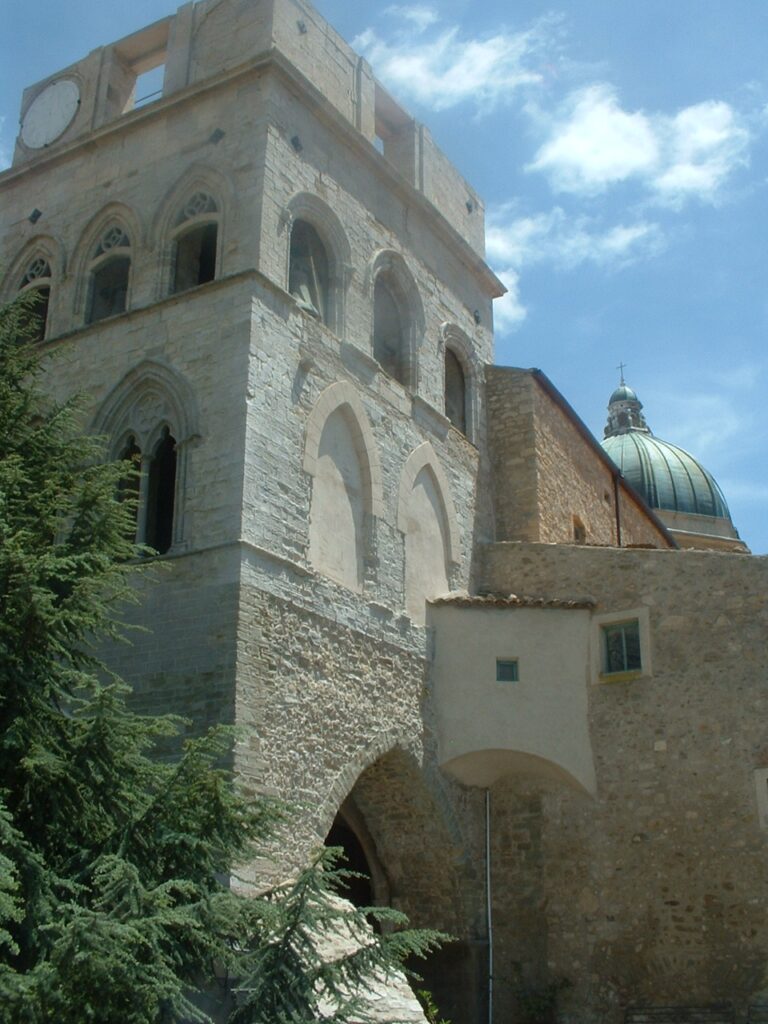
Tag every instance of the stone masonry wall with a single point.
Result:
(512, 447)
(546, 476)
(654, 892)
(575, 482)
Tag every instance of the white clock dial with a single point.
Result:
(50, 113)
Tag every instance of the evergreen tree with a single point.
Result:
(114, 904)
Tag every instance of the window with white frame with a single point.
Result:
(621, 645)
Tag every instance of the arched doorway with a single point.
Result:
(394, 828)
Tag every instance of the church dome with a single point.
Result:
(623, 393)
(685, 495)
(667, 476)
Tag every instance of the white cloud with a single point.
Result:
(594, 143)
(567, 242)
(446, 69)
(707, 142)
(508, 311)
(420, 16)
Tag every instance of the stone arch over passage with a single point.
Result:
(341, 457)
(401, 831)
(427, 518)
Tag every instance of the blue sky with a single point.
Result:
(622, 150)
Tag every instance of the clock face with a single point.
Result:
(50, 113)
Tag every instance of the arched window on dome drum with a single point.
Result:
(455, 391)
(388, 330)
(110, 270)
(308, 277)
(195, 243)
(161, 494)
(38, 279)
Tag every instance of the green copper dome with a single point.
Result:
(623, 393)
(666, 476)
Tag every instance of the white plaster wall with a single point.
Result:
(535, 726)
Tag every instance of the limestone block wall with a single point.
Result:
(182, 659)
(294, 360)
(549, 477)
(653, 892)
(201, 342)
(329, 712)
(217, 39)
(512, 450)
(368, 216)
(140, 175)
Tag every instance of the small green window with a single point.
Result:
(621, 647)
(506, 670)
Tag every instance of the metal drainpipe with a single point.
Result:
(488, 901)
(617, 508)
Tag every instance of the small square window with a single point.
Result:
(621, 647)
(506, 670)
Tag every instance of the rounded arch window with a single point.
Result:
(37, 279)
(195, 242)
(308, 275)
(110, 269)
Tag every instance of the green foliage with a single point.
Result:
(310, 953)
(115, 899)
(429, 1006)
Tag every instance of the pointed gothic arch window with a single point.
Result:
(455, 391)
(161, 494)
(37, 278)
(195, 242)
(129, 486)
(152, 417)
(308, 277)
(109, 273)
(389, 328)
